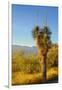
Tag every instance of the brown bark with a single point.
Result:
(44, 69)
(42, 62)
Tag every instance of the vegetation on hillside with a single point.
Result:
(27, 70)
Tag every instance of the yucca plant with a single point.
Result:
(42, 38)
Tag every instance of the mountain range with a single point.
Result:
(25, 49)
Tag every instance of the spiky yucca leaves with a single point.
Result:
(35, 32)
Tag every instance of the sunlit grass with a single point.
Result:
(26, 69)
(24, 78)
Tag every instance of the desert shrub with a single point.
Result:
(52, 57)
(26, 64)
(30, 63)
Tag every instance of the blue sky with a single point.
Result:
(25, 17)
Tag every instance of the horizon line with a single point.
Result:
(29, 45)
(25, 45)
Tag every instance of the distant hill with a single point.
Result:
(25, 49)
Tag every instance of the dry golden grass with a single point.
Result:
(19, 78)
(51, 73)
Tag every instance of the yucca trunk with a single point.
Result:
(42, 62)
(44, 69)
